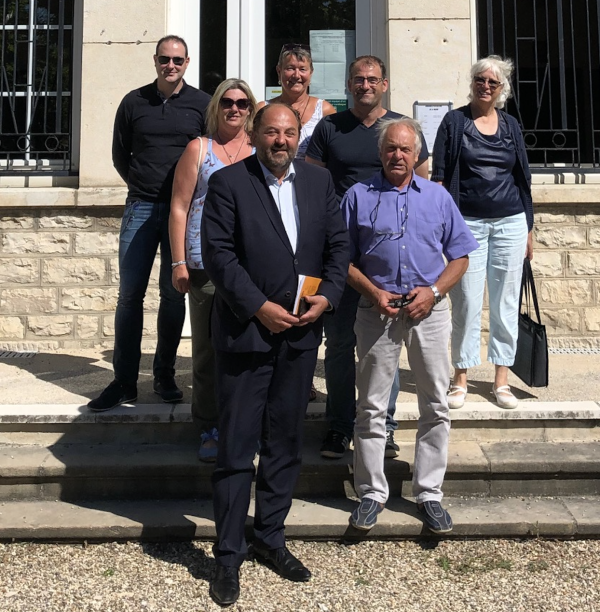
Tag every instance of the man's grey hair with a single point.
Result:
(502, 69)
(411, 124)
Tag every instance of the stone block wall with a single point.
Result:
(59, 279)
(566, 265)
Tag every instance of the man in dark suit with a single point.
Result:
(266, 220)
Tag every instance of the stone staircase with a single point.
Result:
(68, 474)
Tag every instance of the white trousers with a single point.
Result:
(379, 340)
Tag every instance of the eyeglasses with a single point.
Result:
(293, 47)
(242, 103)
(163, 60)
(401, 216)
(372, 81)
(492, 84)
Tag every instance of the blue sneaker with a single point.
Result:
(365, 516)
(435, 517)
(209, 444)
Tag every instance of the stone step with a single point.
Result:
(147, 471)
(309, 519)
(47, 424)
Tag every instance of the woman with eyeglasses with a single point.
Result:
(229, 122)
(479, 156)
(295, 69)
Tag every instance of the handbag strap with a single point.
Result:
(528, 291)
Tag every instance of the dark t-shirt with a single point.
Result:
(151, 134)
(348, 148)
(487, 182)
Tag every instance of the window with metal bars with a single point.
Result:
(555, 45)
(36, 50)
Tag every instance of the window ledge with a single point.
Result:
(60, 197)
(566, 194)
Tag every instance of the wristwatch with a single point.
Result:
(436, 294)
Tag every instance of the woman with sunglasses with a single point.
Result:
(295, 69)
(229, 122)
(479, 156)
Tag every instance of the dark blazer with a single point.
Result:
(249, 258)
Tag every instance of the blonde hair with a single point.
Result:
(212, 111)
(502, 69)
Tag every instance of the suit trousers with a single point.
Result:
(261, 396)
(379, 342)
(204, 402)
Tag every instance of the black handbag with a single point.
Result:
(531, 360)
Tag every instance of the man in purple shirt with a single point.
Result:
(401, 227)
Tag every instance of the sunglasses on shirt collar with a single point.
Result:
(163, 60)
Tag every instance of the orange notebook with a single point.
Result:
(307, 285)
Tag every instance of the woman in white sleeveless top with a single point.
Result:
(229, 121)
(295, 69)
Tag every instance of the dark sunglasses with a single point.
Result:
(242, 104)
(163, 60)
(493, 85)
(293, 47)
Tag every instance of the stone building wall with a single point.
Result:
(59, 279)
(59, 276)
(566, 265)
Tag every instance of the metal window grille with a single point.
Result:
(36, 50)
(555, 45)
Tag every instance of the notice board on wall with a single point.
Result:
(430, 115)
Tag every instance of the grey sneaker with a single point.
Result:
(365, 516)
(391, 448)
(435, 517)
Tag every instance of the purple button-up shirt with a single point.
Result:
(398, 237)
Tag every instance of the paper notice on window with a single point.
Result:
(328, 80)
(332, 51)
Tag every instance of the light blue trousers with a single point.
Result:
(502, 243)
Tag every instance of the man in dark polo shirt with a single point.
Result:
(153, 126)
(346, 144)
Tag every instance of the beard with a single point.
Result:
(276, 160)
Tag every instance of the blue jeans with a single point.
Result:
(502, 242)
(340, 368)
(143, 228)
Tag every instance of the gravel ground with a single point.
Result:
(447, 576)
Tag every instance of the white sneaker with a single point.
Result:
(456, 397)
(504, 397)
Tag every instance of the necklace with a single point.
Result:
(231, 158)
(305, 107)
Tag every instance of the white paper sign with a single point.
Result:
(430, 115)
(272, 92)
(332, 51)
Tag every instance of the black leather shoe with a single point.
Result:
(283, 563)
(168, 390)
(114, 395)
(225, 586)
